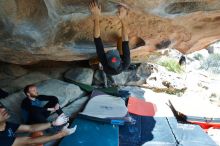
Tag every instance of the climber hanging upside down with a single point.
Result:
(114, 61)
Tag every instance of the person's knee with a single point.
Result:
(55, 100)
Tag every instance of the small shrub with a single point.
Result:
(198, 56)
(171, 65)
(212, 63)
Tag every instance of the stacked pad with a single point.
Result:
(91, 133)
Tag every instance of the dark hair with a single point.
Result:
(26, 88)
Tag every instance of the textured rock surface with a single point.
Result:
(82, 75)
(21, 82)
(126, 78)
(34, 30)
(65, 92)
(11, 70)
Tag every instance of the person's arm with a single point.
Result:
(96, 12)
(53, 99)
(100, 51)
(126, 55)
(23, 141)
(34, 127)
(122, 13)
(47, 98)
(122, 16)
(96, 27)
(29, 141)
(62, 119)
(55, 108)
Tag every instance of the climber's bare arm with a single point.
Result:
(122, 15)
(96, 13)
(62, 119)
(33, 128)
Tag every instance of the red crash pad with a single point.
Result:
(141, 107)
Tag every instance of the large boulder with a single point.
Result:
(76, 106)
(81, 75)
(62, 30)
(136, 76)
(54, 72)
(65, 92)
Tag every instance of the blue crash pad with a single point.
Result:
(147, 131)
(189, 134)
(91, 133)
(162, 131)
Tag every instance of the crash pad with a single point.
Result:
(141, 107)
(91, 133)
(147, 130)
(105, 108)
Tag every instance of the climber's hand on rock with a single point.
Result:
(95, 9)
(122, 12)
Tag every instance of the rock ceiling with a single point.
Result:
(61, 30)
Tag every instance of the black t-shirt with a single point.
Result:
(125, 58)
(7, 137)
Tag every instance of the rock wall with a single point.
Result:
(61, 30)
